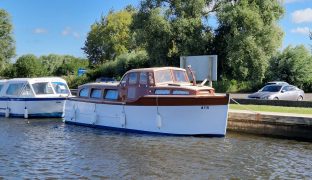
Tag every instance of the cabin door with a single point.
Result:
(135, 86)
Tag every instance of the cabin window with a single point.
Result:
(143, 78)
(180, 92)
(96, 93)
(1, 85)
(60, 88)
(180, 76)
(133, 77)
(162, 91)
(14, 89)
(27, 91)
(84, 92)
(163, 76)
(111, 94)
(42, 88)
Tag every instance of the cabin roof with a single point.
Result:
(33, 80)
(155, 69)
(100, 84)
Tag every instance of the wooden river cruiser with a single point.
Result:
(151, 100)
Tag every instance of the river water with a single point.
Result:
(41, 148)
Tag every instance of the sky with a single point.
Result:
(42, 27)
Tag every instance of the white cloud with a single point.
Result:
(69, 32)
(66, 31)
(76, 35)
(40, 31)
(301, 30)
(301, 16)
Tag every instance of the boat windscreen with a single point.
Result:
(27, 91)
(14, 89)
(180, 76)
(163, 76)
(60, 88)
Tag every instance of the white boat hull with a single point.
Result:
(176, 120)
(32, 107)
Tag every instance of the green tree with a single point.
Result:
(7, 44)
(120, 65)
(169, 29)
(109, 37)
(28, 66)
(247, 36)
(51, 62)
(70, 66)
(292, 65)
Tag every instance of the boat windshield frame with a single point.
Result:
(171, 76)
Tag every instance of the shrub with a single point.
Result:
(75, 81)
(230, 86)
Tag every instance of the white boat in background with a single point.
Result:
(33, 97)
(150, 100)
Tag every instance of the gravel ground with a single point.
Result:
(307, 96)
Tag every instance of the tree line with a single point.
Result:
(246, 38)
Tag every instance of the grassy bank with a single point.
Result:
(265, 108)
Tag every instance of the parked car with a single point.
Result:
(279, 92)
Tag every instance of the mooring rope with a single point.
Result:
(244, 107)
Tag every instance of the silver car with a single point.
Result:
(279, 92)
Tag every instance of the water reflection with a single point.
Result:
(49, 148)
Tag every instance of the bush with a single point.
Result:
(75, 81)
(230, 86)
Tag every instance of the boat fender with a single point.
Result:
(7, 112)
(26, 113)
(158, 121)
(94, 118)
(73, 118)
(123, 119)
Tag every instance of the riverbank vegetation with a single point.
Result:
(265, 108)
(246, 38)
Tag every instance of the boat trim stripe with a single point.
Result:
(31, 99)
(37, 115)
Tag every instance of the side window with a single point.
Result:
(285, 88)
(133, 77)
(60, 88)
(162, 91)
(111, 94)
(14, 89)
(42, 88)
(1, 85)
(96, 93)
(143, 78)
(84, 92)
